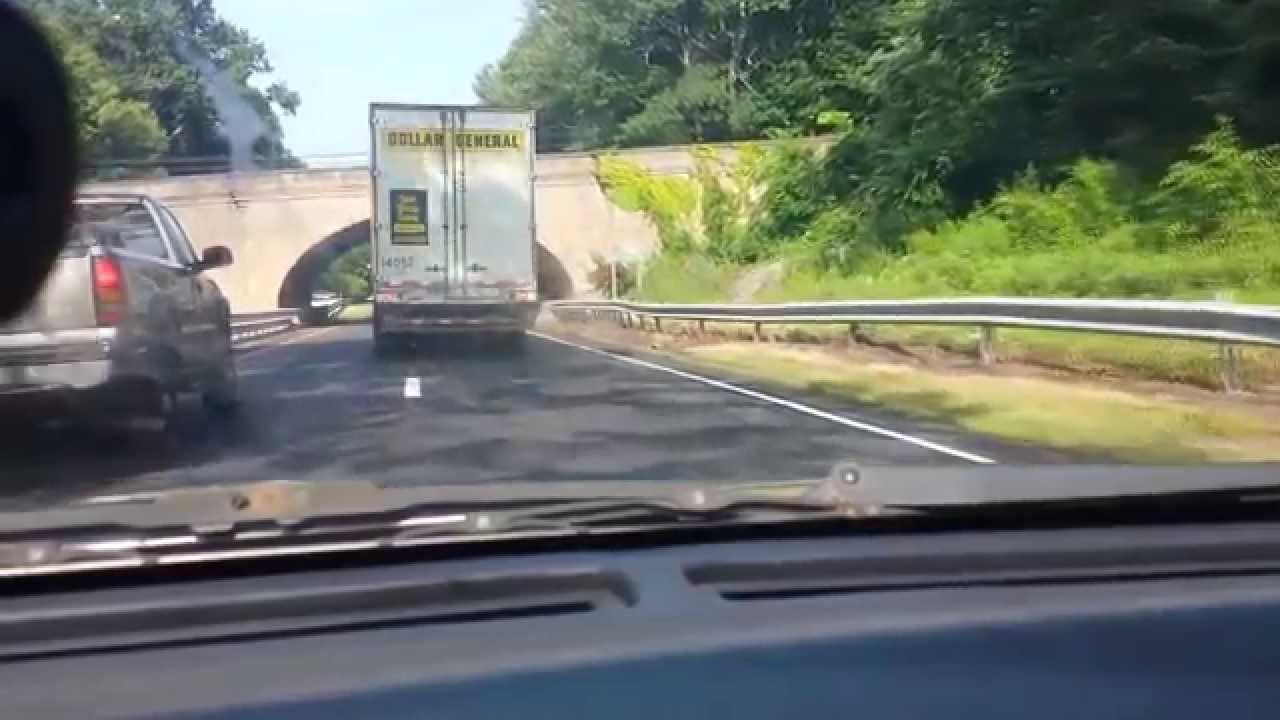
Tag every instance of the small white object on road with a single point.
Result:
(412, 387)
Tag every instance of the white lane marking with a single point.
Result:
(781, 402)
(412, 387)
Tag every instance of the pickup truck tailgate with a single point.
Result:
(65, 302)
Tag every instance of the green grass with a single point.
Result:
(1193, 363)
(1148, 358)
(1068, 416)
(1206, 231)
(356, 313)
(689, 279)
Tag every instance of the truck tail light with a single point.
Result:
(524, 295)
(109, 296)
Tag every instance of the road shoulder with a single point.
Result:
(1088, 421)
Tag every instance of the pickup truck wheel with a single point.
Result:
(222, 397)
(156, 417)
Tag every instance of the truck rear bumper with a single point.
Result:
(25, 379)
(85, 388)
(405, 318)
(93, 390)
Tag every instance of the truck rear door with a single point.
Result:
(412, 228)
(492, 165)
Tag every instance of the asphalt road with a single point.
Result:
(319, 406)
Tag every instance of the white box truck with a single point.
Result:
(453, 220)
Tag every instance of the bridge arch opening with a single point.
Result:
(304, 278)
(554, 281)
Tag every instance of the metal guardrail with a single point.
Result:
(250, 327)
(324, 310)
(1223, 323)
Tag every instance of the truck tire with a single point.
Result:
(383, 344)
(152, 431)
(379, 337)
(222, 397)
(140, 415)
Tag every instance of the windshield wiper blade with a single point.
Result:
(961, 487)
(294, 503)
(702, 509)
(282, 517)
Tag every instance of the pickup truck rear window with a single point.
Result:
(124, 226)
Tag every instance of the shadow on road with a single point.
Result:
(49, 461)
(449, 410)
(335, 407)
(456, 346)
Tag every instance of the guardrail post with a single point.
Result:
(855, 333)
(987, 345)
(657, 324)
(1229, 368)
(759, 332)
(702, 327)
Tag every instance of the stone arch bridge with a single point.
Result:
(285, 228)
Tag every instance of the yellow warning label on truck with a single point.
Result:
(470, 140)
(409, 217)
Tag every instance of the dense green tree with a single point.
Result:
(947, 99)
(146, 75)
(350, 275)
(681, 70)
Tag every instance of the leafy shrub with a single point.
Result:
(729, 194)
(668, 202)
(790, 201)
(686, 278)
(1210, 224)
(605, 274)
(350, 274)
(1220, 190)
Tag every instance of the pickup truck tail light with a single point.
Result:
(109, 296)
(525, 295)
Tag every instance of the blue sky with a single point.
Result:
(340, 55)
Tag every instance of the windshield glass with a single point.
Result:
(493, 246)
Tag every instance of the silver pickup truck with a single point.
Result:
(125, 322)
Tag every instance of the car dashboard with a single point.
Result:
(1101, 622)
